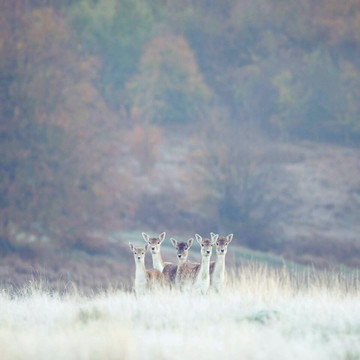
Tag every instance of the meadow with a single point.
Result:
(264, 313)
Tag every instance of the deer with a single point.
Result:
(193, 273)
(218, 274)
(202, 272)
(145, 280)
(184, 268)
(168, 269)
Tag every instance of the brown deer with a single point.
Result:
(145, 280)
(184, 268)
(218, 274)
(168, 269)
(193, 273)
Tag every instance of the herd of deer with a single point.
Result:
(185, 274)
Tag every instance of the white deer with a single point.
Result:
(145, 280)
(202, 271)
(154, 245)
(218, 272)
(168, 269)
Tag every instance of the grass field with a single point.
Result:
(263, 314)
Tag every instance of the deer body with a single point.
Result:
(145, 280)
(218, 274)
(184, 270)
(187, 273)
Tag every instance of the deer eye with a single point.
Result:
(202, 245)
(158, 242)
(217, 244)
(142, 253)
(135, 252)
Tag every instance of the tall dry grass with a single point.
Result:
(263, 314)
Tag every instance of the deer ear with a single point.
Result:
(131, 246)
(162, 236)
(229, 238)
(198, 238)
(189, 242)
(146, 237)
(146, 247)
(214, 237)
(174, 242)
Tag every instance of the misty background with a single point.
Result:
(123, 116)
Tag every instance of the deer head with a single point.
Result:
(182, 248)
(155, 242)
(206, 245)
(222, 243)
(139, 252)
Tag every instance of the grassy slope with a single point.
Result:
(113, 266)
(261, 315)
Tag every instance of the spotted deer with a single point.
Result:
(218, 274)
(168, 269)
(184, 268)
(145, 280)
(193, 273)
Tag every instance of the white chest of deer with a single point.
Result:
(202, 281)
(219, 274)
(158, 263)
(140, 284)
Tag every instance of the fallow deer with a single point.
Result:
(218, 274)
(193, 273)
(202, 271)
(184, 268)
(168, 269)
(144, 279)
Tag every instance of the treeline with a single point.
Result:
(88, 87)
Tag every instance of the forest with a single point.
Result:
(170, 115)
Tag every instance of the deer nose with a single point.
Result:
(222, 250)
(138, 257)
(179, 256)
(208, 251)
(153, 248)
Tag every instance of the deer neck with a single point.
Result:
(180, 269)
(140, 273)
(158, 262)
(181, 263)
(219, 264)
(204, 267)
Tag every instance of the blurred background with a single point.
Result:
(123, 116)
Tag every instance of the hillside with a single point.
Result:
(312, 191)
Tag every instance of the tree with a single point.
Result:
(115, 31)
(230, 181)
(169, 88)
(61, 144)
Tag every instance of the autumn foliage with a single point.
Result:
(90, 90)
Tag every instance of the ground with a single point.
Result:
(263, 314)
